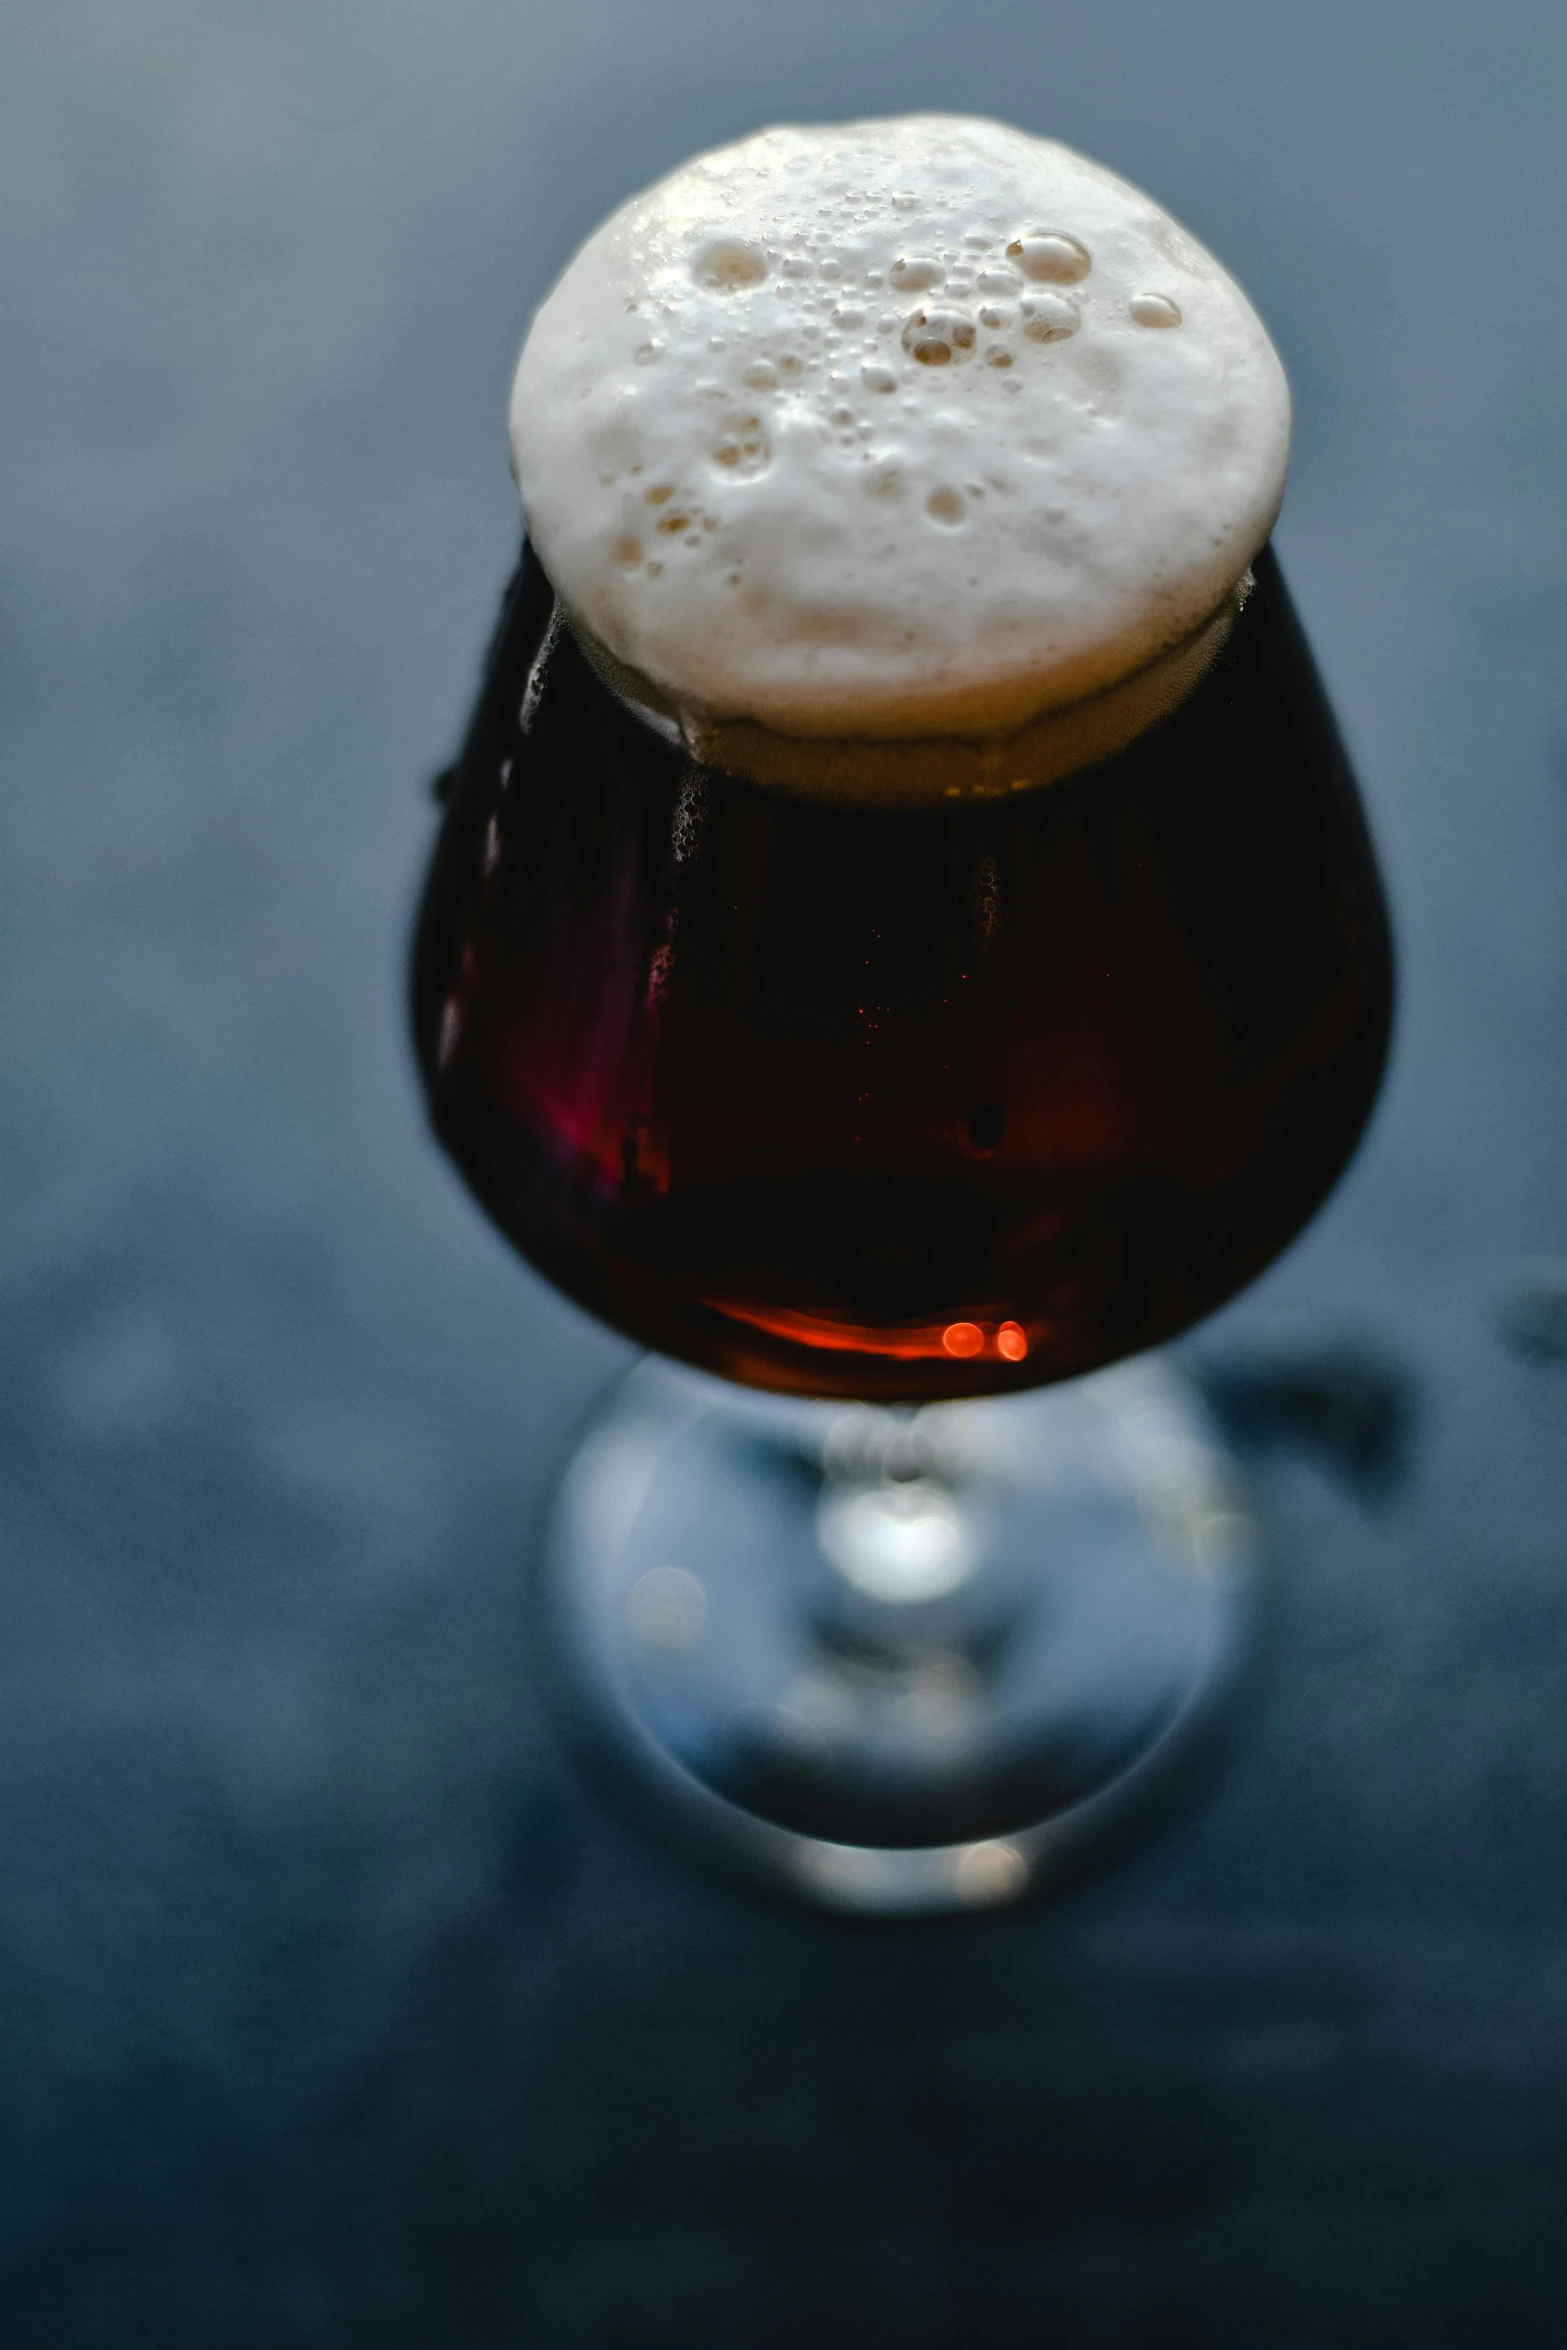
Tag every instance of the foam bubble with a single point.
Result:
(814, 366)
(912, 274)
(742, 449)
(937, 337)
(1154, 310)
(726, 265)
(1048, 318)
(1050, 255)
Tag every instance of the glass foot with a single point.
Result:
(899, 1661)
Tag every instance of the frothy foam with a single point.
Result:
(840, 442)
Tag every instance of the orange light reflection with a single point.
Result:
(962, 1340)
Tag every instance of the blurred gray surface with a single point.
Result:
(332, 2010)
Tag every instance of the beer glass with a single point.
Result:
(876, 1122)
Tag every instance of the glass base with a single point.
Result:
(899, 1662)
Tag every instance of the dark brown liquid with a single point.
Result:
(902, 1105)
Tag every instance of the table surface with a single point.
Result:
(335, 2009)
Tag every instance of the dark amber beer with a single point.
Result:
(901, 1103)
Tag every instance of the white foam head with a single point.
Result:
(906, 430)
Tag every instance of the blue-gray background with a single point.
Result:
(334, 2010)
